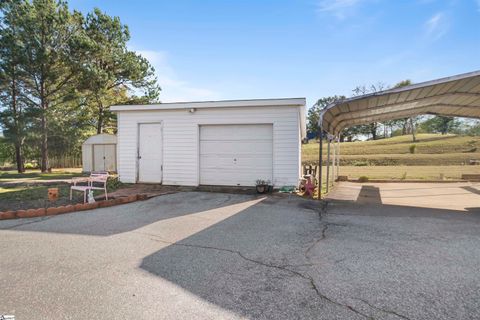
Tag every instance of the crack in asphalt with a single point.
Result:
(268, 265)
(44, 218)
(322, 237)
(382, 309)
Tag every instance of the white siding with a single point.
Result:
(181, 140)
(87, 164)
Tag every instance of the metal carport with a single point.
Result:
(457, 96)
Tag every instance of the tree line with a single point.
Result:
(60, 70)
(402, 126)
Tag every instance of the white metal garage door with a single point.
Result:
(236, 155)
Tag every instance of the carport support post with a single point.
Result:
(328, 162)
(338, 156)
(320, 162)
(334, 161)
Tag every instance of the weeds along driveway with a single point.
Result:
(220, 256)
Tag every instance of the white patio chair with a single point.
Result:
(96, 181)
(99, 178)
(81, 188)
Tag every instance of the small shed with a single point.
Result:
(230, 143)
(99, 153)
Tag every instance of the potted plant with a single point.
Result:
(262, 186)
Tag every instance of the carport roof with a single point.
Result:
(457, 96)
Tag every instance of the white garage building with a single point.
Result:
(231, 143)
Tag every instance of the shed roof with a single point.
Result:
(457, 96)
(102, 138)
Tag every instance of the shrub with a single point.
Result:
(404, 176)
(113, 183)
(30, 166)
(363, 179)
(412, 148)
(261, 182)
(360, 163)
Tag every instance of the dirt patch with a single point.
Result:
(33, 197)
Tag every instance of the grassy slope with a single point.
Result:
(391, 158)
(432, 149)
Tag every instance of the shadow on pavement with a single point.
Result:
(124, 218)
(370, 195)
(471, 189)
(247, 263)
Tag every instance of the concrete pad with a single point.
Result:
(449, 196)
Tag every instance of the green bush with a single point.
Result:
(360, 163)
(30, 166)
(412, 148)
(363, 179)
(113, 183)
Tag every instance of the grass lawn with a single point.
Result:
(6, 176)
(27, 195)
(31, 197)
(431, 149)
(408, 172)
(391, 158)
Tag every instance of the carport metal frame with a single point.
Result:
(455, 96)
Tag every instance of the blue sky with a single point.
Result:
(209, 50)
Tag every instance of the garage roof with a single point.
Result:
(213, 104)
(452, 96)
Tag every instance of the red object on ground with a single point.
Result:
(309, 186)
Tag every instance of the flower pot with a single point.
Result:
(262, 188)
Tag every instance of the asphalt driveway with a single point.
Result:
(221, 256)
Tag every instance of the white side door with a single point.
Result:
(150, 153)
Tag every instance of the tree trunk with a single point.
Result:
(19, 157)
(101, 117)
(44, 147)
(100, 121)
(412, 125)
(44, 127)
(373, 131)
(16, 129)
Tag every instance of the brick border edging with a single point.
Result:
(42, 212)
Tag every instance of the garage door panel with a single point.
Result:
(236, 147)
(252, 163)
(235, 154)
(236, 132)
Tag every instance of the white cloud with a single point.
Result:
(173, 88)
(436, 26)
(339, 8)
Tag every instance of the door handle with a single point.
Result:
(139, 157)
